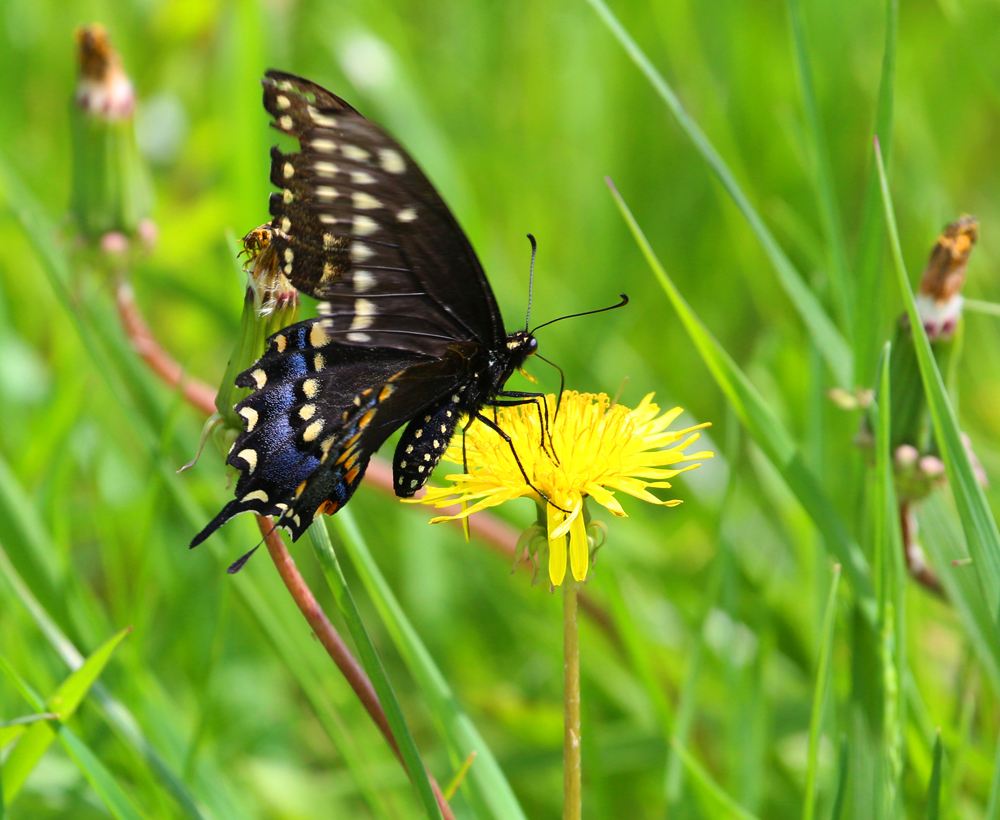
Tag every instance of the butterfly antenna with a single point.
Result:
(531, 279)
(621, 304)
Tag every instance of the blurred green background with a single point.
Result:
(517, 111)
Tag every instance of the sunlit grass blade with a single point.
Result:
(869, 270)
(764, 428)
(934, 788)
(106, 787)
(819, 696)
(833, 229)
(10, 730)
(485, 787)
(979, 306)
(978, 524)
(993, 804)
(715, 801)
(120, 718)
(64, 702)
(117, 802)
(327, 558)
(826, 335)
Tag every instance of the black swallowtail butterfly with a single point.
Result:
(409, 331)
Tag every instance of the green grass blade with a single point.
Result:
(869, 270)
(764, 428)
(841, 284)
(715, 801)
(90, 766)
(722, 575)
(978, 524)
(11, 730)
(828, 339)
(64, 702)
(843, 772)
(890, 575)
(637, 649)
(941, 534)
(819, 695)
(934, 789)
(485, 787)
(993, 804)
(327, 558)
(99, 777)
(117, 714)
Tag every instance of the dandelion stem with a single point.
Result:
(572, 798)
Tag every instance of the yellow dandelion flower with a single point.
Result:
(599, 448)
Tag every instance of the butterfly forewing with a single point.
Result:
(357, 218)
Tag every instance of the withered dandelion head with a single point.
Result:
(596, 449)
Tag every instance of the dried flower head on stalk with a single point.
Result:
(112, 192)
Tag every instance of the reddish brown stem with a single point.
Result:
(916, 563)
(324, 630)
(196, 393)
(334, 644)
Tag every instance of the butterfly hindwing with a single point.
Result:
(306, 393)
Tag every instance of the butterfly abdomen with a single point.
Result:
(422, 444)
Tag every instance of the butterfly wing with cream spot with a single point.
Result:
(403, 397)
(309, 397)
(359, 226)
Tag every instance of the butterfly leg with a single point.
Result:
(518, 398)
(499, 431)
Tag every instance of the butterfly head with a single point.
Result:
(520, 345)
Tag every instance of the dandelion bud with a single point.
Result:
(939, 303)
(939, 299)
(111, 187)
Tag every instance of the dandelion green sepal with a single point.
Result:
(599, 448)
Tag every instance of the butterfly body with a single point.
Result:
(408, 333)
